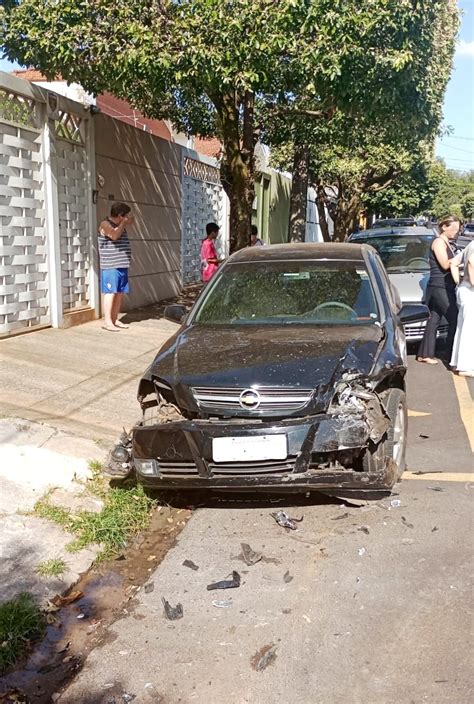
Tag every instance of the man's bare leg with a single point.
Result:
(117, 304)
(109, 308)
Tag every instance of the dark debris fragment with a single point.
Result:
(172, 613)
(191, 565)
(226, 583)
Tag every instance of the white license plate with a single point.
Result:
(249, 449)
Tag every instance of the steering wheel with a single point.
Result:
(416, 261)
(335, 304)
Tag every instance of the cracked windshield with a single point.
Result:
(332, 293)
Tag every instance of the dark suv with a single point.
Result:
(288, 373)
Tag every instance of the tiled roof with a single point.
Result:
(209, 146)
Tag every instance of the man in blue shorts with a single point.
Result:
(114, 257)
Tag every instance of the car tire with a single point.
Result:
(393, 444)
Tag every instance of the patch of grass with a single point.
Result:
(21, 621)
(97, 484)
(125, 513)
(51, 568)
(56, 514)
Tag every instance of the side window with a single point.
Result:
(383, 282)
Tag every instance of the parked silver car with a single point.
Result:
(405, 254)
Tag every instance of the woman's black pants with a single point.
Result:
(442, 303)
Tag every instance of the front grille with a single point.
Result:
(250, 468)
(271, 398)
(416, 330)
(178, 469)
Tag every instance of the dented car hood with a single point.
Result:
(288, 356)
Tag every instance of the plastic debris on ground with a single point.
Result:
(285, 521)
(395, 503)
(287, 577)
(264, 657)
(226, 583)
(249, 556)
(173, 613)
(222, 603)
(362, 551)
(191, 565)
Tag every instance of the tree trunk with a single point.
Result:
(237, 167)
(347, 211)
(322, 213)
(299, 194)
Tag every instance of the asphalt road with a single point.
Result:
(376, 606)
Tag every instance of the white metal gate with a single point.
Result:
(202, 203)
(24, 300)
(75, 237)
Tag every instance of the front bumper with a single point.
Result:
(179, 455)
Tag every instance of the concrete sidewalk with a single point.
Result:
(65, 395)
(82, 379)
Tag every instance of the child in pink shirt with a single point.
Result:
(209, 259)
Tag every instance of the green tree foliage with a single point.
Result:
(209, 64)
(382, 134)
(467, 206)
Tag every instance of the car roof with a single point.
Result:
(301, 251)
(388, 231)
(384, 222)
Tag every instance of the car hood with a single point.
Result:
(410, 285)
(277, 356)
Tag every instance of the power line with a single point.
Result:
(462, 161)
(456, 149)
(453, 136)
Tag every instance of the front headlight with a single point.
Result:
(146, 467)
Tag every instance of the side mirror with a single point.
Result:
(413, 313)
(175, 313)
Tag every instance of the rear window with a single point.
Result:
(403, 252)
(315, 293)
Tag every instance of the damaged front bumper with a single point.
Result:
(321, 452)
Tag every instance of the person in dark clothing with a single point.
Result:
(441, 291)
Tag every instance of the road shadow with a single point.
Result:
(272, 501)
(186, 298)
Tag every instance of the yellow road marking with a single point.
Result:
(466, 406)
(441, 477)
(415, 414)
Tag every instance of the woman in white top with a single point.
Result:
(462, 359)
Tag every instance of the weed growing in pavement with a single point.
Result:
(125, 513)
(51, 568)
(21, 621)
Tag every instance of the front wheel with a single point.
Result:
(393, 444)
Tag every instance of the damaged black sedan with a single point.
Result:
(288, 374)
